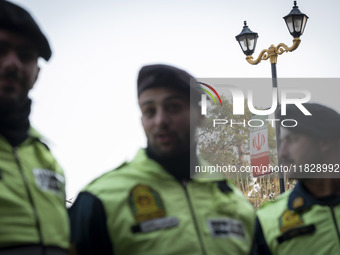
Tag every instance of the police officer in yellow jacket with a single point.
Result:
(150, 205)
(33, 216)
(305, 220)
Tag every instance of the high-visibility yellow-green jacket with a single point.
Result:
(298, 223)
(32, 196)
(141, 209)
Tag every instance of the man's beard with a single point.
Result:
(7, 102)
(181, 147)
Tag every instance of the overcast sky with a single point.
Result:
(85, 99)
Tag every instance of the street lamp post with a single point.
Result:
(296, 23)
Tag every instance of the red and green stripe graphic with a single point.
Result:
(209, 93)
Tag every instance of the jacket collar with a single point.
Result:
(146, 164)
(300, 199)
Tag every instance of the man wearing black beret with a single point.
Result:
(150, 205)
(305, 220)
(33, 216)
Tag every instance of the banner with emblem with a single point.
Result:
(259, 152)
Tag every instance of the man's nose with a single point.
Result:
(161, 118)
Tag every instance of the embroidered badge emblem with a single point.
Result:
(290, 219)
(145, 203)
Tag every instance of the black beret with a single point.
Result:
(16, 19)
(323, 123)
(160, 75)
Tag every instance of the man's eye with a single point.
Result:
(27, 56)
(173, 107)
(149, 112)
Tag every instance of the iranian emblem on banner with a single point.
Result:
(259, 152)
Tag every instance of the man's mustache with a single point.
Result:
(11, 75)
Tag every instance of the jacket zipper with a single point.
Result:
(30, 198)
(335, 223)
(194, 217)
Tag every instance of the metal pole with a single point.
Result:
(277, 128)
